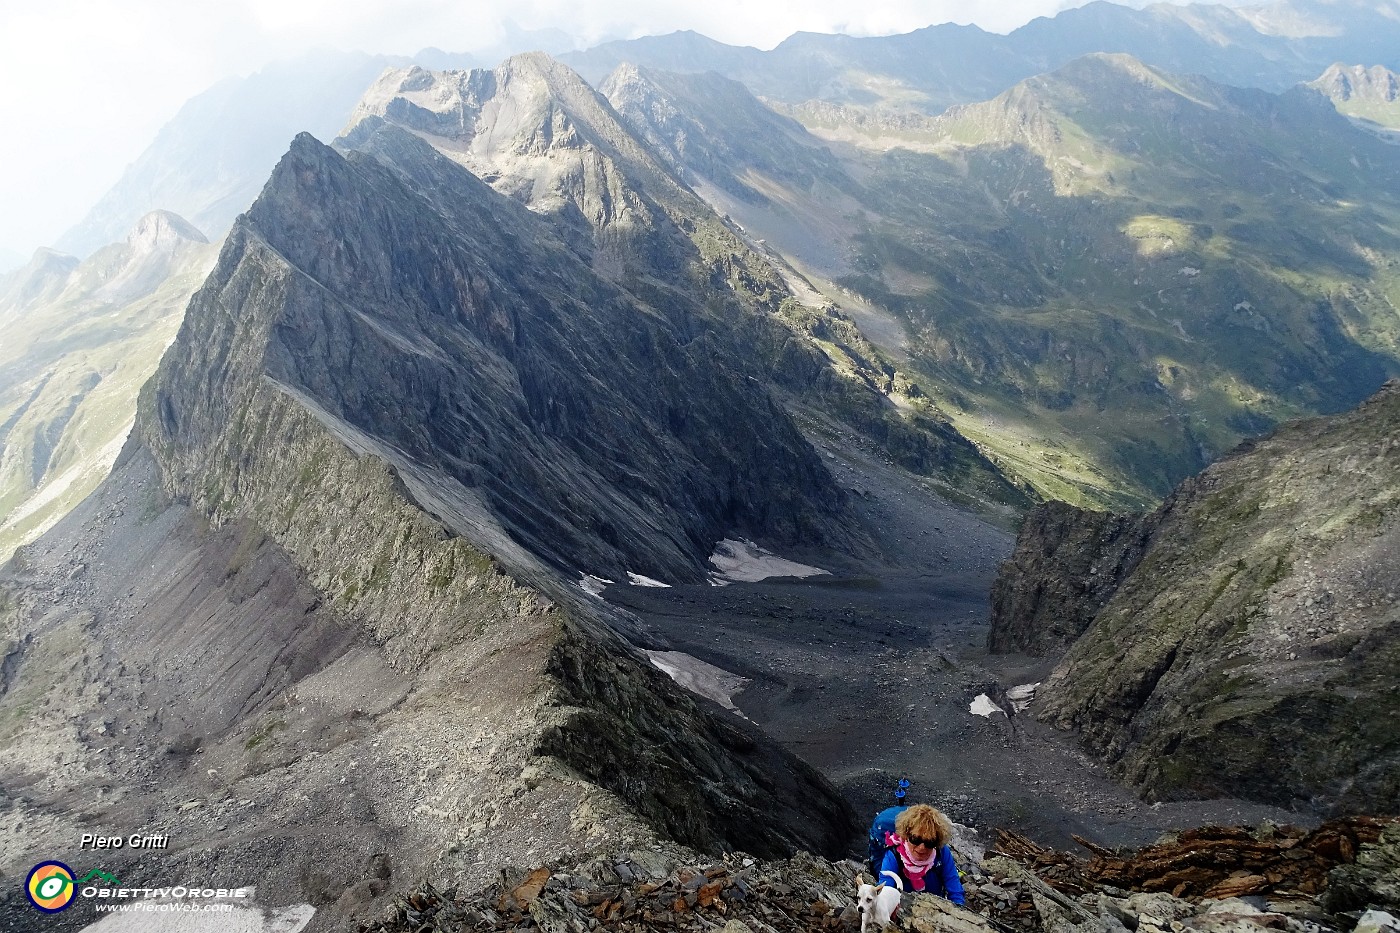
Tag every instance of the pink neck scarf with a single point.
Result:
(914, 866)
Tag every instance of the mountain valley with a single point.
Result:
(642, 463)
(1068, 270)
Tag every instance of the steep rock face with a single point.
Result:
(1345, 83)
(710, 127)
(1253, 649)
(534, 130)
(602, 437)
(768, 171)
(1067, 564)
(1371, 95)
(611, 185)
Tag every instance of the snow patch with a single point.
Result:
(636, 579)
(695, 675)
(592, 585)
(742, 561)
(983, 706)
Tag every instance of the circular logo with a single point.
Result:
(50, 886)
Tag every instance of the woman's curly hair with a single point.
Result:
(925, 822)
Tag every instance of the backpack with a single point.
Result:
(882, 827)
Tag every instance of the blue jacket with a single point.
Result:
(941, 879)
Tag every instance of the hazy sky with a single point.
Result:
(91, 81)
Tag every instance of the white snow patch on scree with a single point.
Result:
(714, 683)
(592, 585)
(745, 562)
(636, 579)
(983, 706)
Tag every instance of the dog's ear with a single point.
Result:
(879, 887)
(860, 879)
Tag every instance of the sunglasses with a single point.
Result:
(921, 841)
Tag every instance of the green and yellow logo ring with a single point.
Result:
(50, 886)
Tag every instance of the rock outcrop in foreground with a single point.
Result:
(1253, 650)
(1196, 882)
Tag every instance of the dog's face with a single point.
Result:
(875, 902)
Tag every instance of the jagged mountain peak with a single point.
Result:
(531, 126)
(1369, 96)
(511, 99)
(1344, 82)
(454, 328)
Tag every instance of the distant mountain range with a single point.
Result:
(870, 92)
(77, 340)
(1273, 47)
(210, 161)
(1107, 275)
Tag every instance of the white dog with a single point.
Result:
(875, 901)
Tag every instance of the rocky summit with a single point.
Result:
(1241, 639)
(624, 199)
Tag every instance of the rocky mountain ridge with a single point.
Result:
(1370, 96)
(1249, 651)
(342, 528)
(536, 132)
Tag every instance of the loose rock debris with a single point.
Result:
(1208, 880)
(1210, 862)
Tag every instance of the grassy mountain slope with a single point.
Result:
(76, 343)
(1107, 275)
(1252, 651)
(1157, 265)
